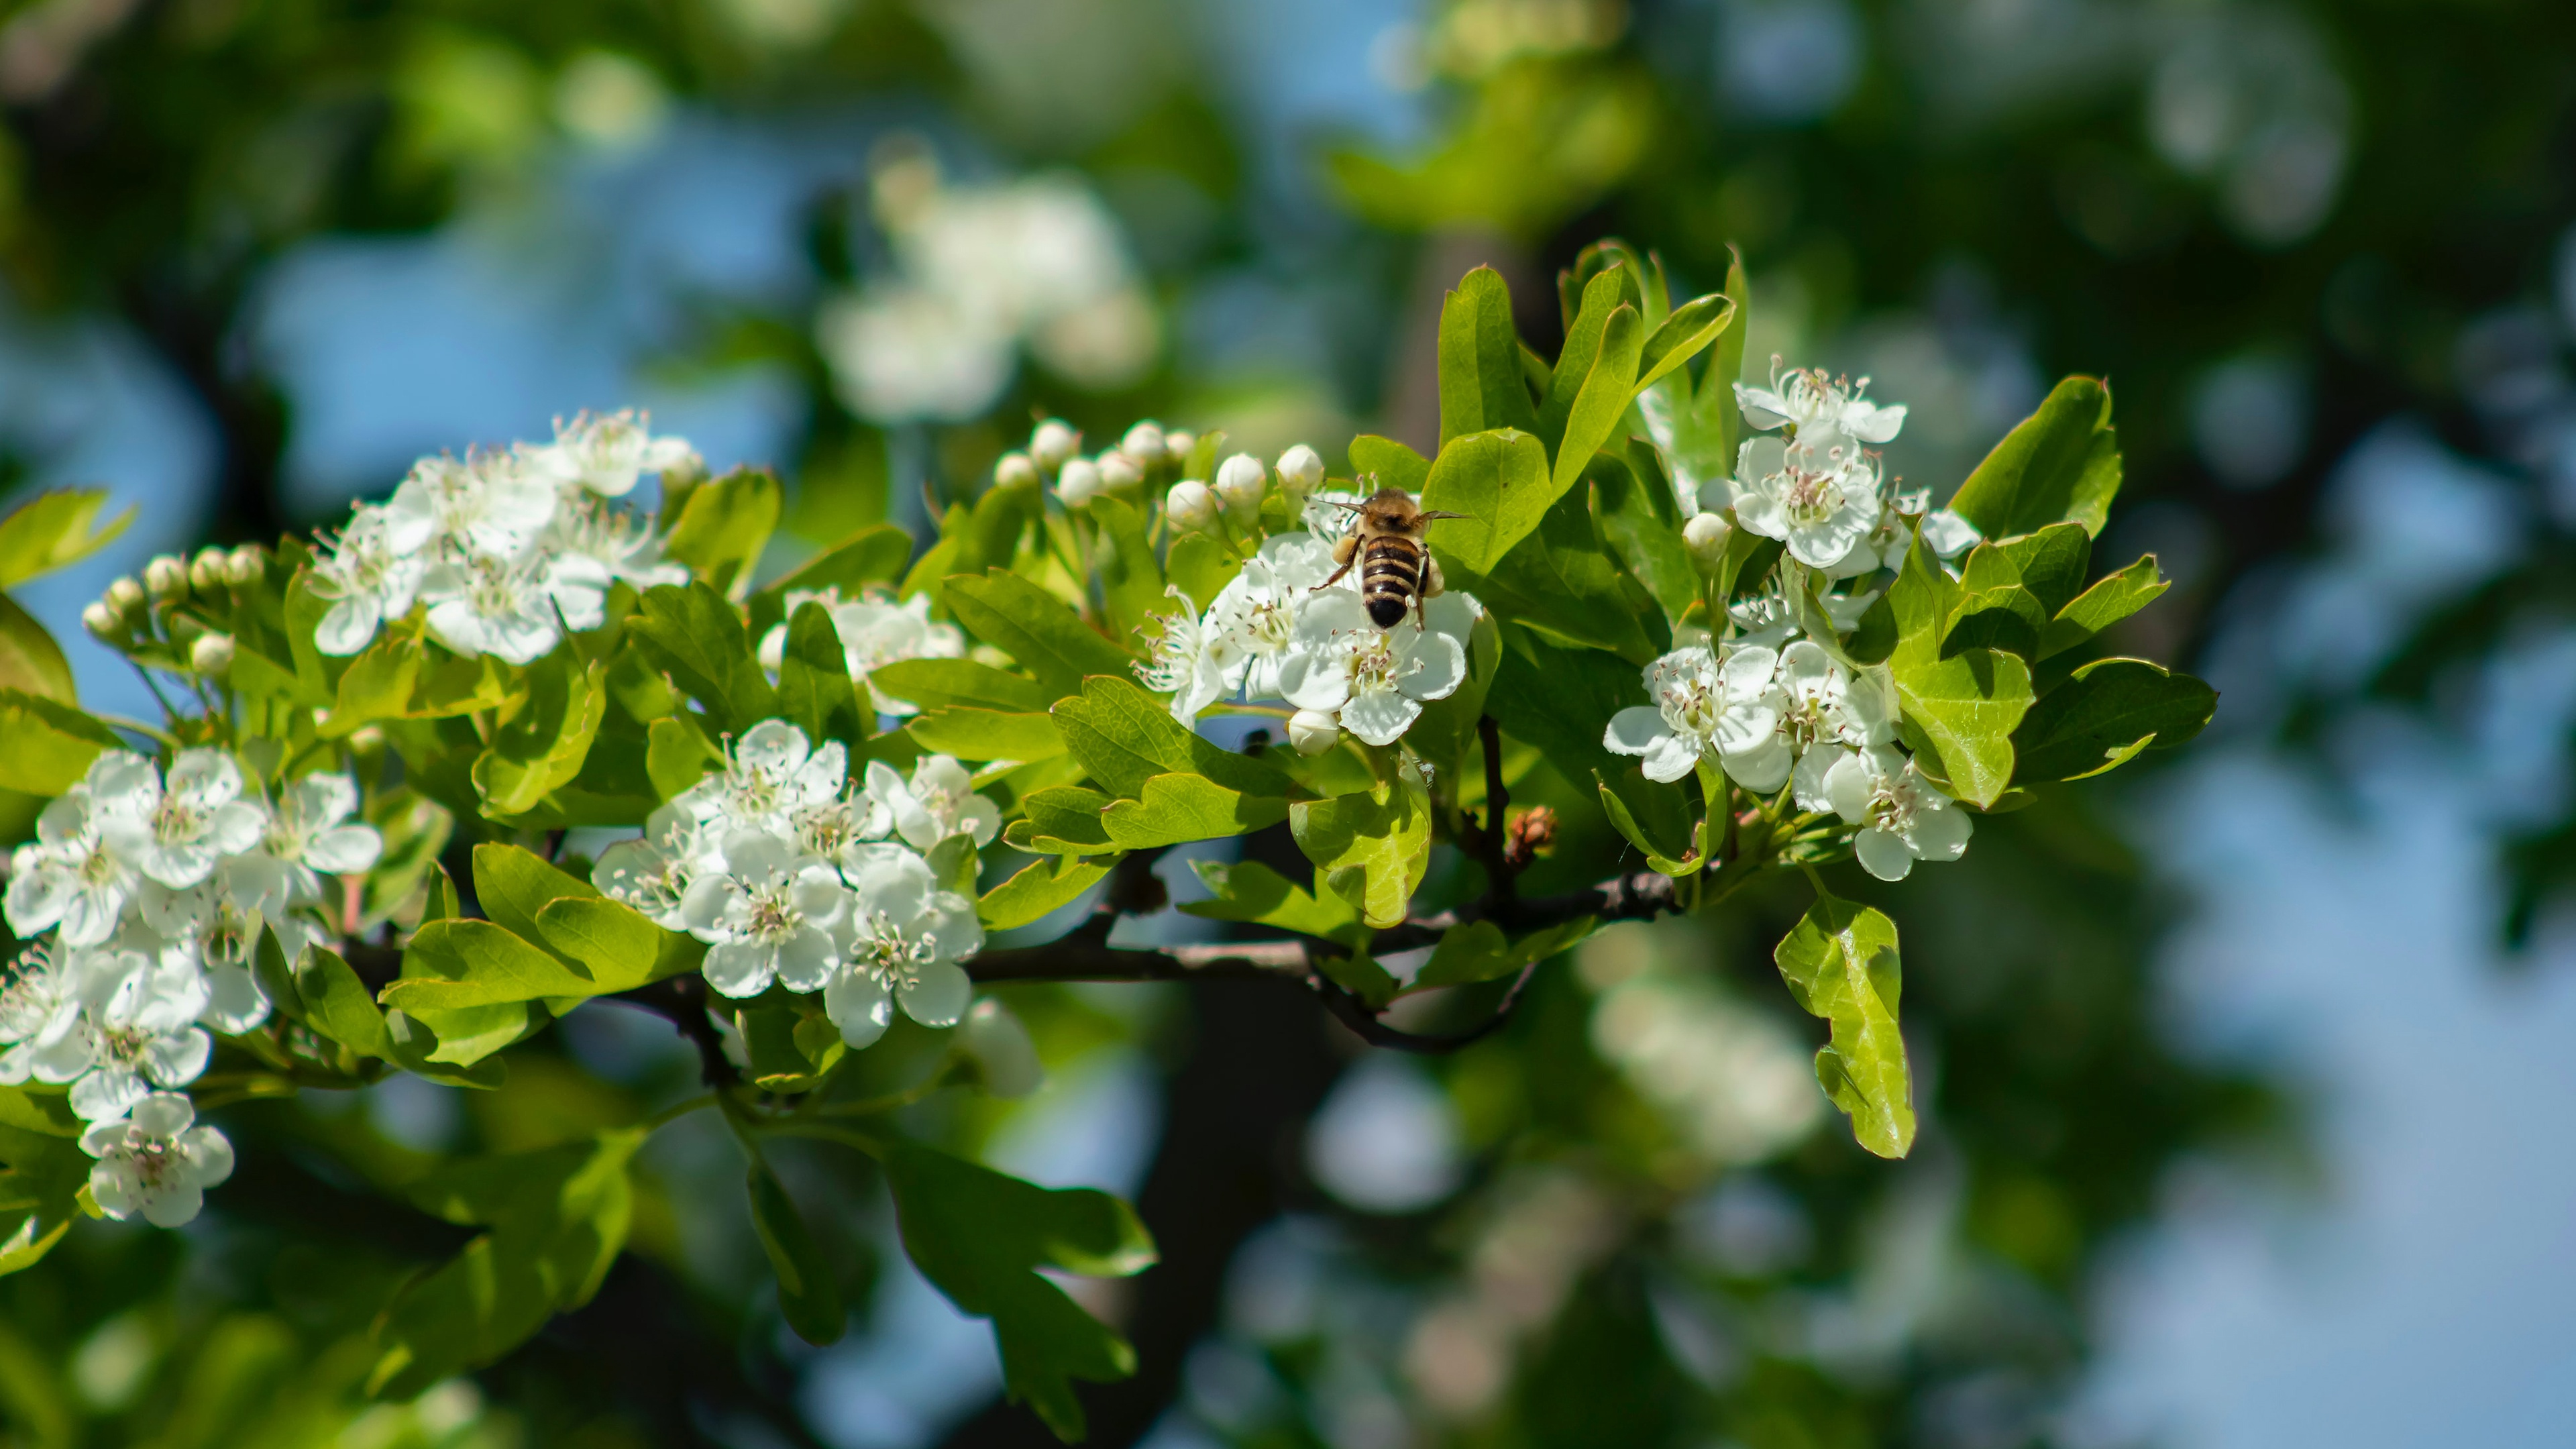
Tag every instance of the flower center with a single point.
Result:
(173, 819)
(769, 911)
(1374, 666)
(884, 950)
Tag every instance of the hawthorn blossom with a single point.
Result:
(155, 1160)
(1375, 680)
(369, 578)
(766, 911)
(1826, 712)
(1190, 661)
(1816, 492)
(486, 605)
(1256, 612)
(487, 506)
(40, 1012)
(176, 832)
(875, 631)
(309, 836)
(901, 944)
(608, 544)
(937, 802)
(71, 876)
(127, 1062)
(1706, 707)
(1904, 818)
(769, 776)
(1811, 400)
(652, 873)
(606, 454)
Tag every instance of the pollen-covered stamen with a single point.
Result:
(1374, 665)
(883, 950)
(827, 830)
(173, 819)
(769, 911)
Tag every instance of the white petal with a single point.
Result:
(1634, 730)
(1941, 833)
(1883, 855)
(173, 1204)
(740, 968)
(177, 1059)
(345, 850)
(939, 996)
(857, 1003)
(1671, 757)
(806, 960)
(1380, 717)
(1436, 666)
(1847, 783)
(1808, 781)
(1762, 769)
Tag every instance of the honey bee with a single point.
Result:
(1385, 540)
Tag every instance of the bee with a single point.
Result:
(1385, 541)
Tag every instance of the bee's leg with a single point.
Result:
(1328, 583)
(1346, 553)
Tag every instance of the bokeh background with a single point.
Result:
(2243, 1066)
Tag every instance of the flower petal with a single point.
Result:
(939, 995)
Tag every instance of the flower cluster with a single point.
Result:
(1814, 481)
(504, 548)
(798, 876)
(875, 630)
(146, 895)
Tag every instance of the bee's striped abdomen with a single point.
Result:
(1391, 572)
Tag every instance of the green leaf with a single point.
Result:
(876, 554)
(1664, 835)
(514, 885)
(980, 1237)
(1392, 463)
(724, 526)
(1563, 581)
(1063, 820)
(1124, 737)
(456, 964)
(1035, 628)
(2113, 598)
(1841, 964)
(676, 756)
(543, 748)
(1644, 530)
(1359, 975)
(1682, 336)
(941, 683)
(1201, 565)
(43, 1174)
(1994, 609)
(694, 636)
(1252, 892)
(2061, 464)
(2105, 713)
(616, 944)
(46, 747)
(814, 690)
(1175, 808)
(1561, 700)
(1478, 951)
(1499, 480)
(557, 1217)
(986, 734)
(1481, 386)
(1696, 430)
(1604, 397)
(1131, 578)
(54, 530)
(786, 1054)
(1038, 888)
(30, 661)
(1966, 705)
(2050, 563)
(377, 685)
(809, 1298)
(336, 1004)
(1370, 849)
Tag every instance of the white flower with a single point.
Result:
(1256, 613)
(1764, 619)
(156, 1161)
(902, 943)
(1376, 680)
(1948, 535)
(1906, 819)
(309, 837)
(1078, 483)
(40, 1018)
(368, 576)
(1704, 707)
(606, 454)
(938, 802)
(770, 776)
(1818, 493)
(1313, 731)
(612, 543)
(1826, 712)
(652, 873)
(767, 913)
(206, 935)
(1052, 443)
(484, 605)
(175, 834)
(489, 506)
(1192, 663)
(71, 875)
(130, 1060)
(1813, 400)
(1322, 515)
(875, 631)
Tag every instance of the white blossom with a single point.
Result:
(127, 1062)
(310, 836)
(1706, 707)
(606, 544)
(487, 506)
(1817, 492)
(1190, 506)
(901, 944)
(652, 873)
(1826, 713)
(175, 833)
(1301, 471)
(1375, 680)
(1812, 400)
(606, 454)
(1706, 536)
(937, 802)
(484, 605)
(369, 578)
(40, 1017)
(1313, 731)
(766, 913)
(770, 776)
(71, 875)
(156, 1161)
(875, 631)
(1191, 662)
(1255, 615)
(1904, 818)
(1240, 484)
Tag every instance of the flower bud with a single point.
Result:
(1144, 442)
(1314, 731)
(1177, 447)
(1240, 484)
(249, 563)
(1120, 473)
(1015, 470)
(1705, 536)
(1079, 483)
(1002, 1050)
(1190, 506)
(103, 620)
(367, 739)
(212, 655)
(166, 577)
(1053, 444)
(1301, 470)
(207, 572)
(125, 596)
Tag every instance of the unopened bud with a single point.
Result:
(1144, 442)
(166, 577)
(212, 655)
(367, 739)
(125, 596)
(1313, 731)
(102, 620)
(1301, 470)
(1053, 443)
(1706, 536)
(206, 572)
(1002, 1050)
(1015, 470)
(1177, 446)
(1079, 483)
(1240, 484)
(1190, 506)
(1120, 473)
(249, 562)
(1531, 832)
